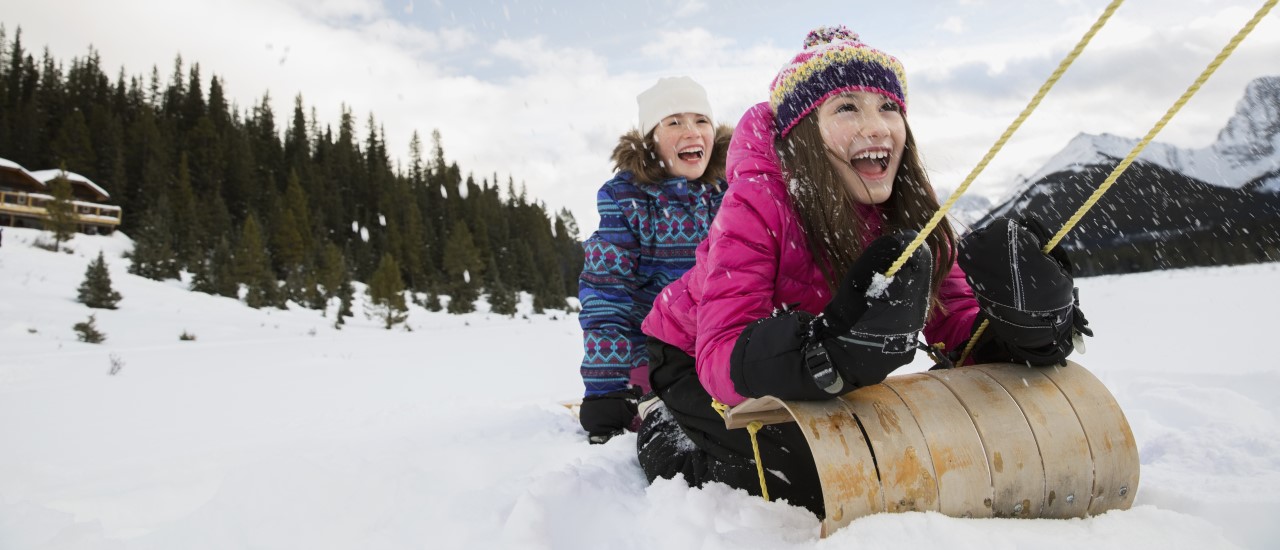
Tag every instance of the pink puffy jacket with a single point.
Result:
(756, 260)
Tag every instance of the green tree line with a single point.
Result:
(294, 210)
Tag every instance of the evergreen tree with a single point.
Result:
(183, 220)
(214, 275)
(72, 146)
(62, 212)
(386, 293)
(463, 268)
(346, 294)
(252, 267)
(502, 299)
(96, 291)
(152, 256)
(332, 272)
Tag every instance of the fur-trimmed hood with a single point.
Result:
(634, 155)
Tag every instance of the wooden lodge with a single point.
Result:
(24, 194)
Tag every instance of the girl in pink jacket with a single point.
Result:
(826, 188)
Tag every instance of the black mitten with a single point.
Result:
(607, 415)
(868, 330)
(1028, 296)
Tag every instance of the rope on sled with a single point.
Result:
(752, 428)
(1137, 149)
(1008, 133)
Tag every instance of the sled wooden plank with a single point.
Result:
(1111, 442)
(1064, 449)
(964, 479)
(767, 410)
(1017, 475)
(850, 485)
(907, 477)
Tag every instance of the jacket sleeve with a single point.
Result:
(742, 253)
(612, 342)
(738, 288)
(952, 323)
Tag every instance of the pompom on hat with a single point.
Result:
(671, 96)
(834, 61)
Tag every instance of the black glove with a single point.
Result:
(857, 341)
(607, 415)
(1028, 296)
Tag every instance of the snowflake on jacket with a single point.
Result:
(649, 231)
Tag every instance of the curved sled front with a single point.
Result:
(999, 440)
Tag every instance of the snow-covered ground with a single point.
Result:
(274, 430)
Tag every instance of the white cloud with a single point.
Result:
(953, 25)
(689, 8)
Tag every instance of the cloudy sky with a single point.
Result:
(540, 91)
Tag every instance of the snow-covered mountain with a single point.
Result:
(1246, 154)
(1173, 207)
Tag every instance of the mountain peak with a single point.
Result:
(1254, 130)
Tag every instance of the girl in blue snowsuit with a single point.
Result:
(654, 212)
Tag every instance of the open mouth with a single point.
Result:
(871, 162)
(691, 154)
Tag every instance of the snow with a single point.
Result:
(6, 163)
(46, 176)
(274, 430)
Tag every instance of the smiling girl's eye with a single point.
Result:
(704, 120)
(846, 107)
(889, 105)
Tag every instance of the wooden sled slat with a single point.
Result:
(1064, 450)
(1114, 450)
(850, 485)
(1017, 474)
(907, 477)
(964, 479)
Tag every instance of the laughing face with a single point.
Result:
(864, 134)
(684, 144)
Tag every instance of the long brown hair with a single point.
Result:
(829, 215)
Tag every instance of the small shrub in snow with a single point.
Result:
(116, 364)
(187, 336)
(87, 331)
(44, 244)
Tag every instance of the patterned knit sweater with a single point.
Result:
(647, 237)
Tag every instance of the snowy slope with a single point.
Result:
(1247, 148)
(273, 430)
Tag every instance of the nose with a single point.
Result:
(688, 128)
(873, 126)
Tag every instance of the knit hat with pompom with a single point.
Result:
(834, 60)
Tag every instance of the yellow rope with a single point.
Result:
(1137, 149)
(1177, 106)
(1013, 127)
(752, 428)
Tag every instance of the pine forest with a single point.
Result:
(294, 211)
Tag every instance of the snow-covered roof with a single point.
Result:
(23, 173)
(47, 176)
(6, 163)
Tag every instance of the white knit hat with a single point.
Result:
(671, 96)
